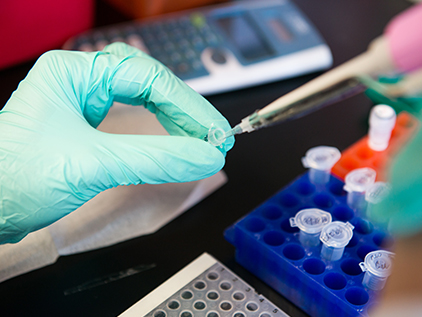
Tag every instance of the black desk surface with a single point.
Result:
(260, 164)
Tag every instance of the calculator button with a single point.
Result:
(99, 46)
(197, 65)
(86, 47)
(197, 42)
(169, 47)
(218, 57)
(184, 43)
(189, 54)
(175, 57)
(182, 68)
(136, 41)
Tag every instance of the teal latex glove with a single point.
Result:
(53, 160)
(401, 210)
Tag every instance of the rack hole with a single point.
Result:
(294, 252)
(335, 281)
(365, 153)
(382, 239)
(199, 305)
(271, 211)
(200, 285)
(285, 226)
(349, 163)
(273, 238)
(173, 304)
(351, 267)
(363, 226)
(314, 266)
(254, 224)
(187, 295)
(305, 188)
(225, 286)
(160, 313)
(353, 242)
(336, 188)
(288, 200)
(226, 306)
(323, 201)
(213, 295)
(252, 306)
(239, 296)
(343, 213)
(357, 296)
(364, 250)
(213, 276)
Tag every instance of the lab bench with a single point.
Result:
(259, 165)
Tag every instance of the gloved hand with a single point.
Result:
(53, 160)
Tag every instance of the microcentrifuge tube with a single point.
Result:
(310, 222)
(320, 160)
(377, 267)
(375, 194)
(217, 136)
(381, 122)
(356, 184)
(335, 236)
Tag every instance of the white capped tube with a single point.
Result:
(320, 160)
(375, 194)
(381, 122)
(335, 236)
(377, 267)
(356, 184)
(310, 222)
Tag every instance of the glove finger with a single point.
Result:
(135, 159)
(139, 79)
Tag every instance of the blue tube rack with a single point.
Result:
(269, 247)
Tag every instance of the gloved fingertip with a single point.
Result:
(123, 49)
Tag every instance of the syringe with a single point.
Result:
(397, 50)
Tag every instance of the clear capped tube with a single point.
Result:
(335, 236)
(375, 194)
(381, 123)
(310, 222)
(356, 184)
(377, 267)
(320, 161)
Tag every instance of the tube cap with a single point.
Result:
(311, 220)
(321, 158)
(360, 179)
(337, 234)
(377, 192)
(378, 263)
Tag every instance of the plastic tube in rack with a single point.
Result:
(320, 160)
(375, 194)
(377, 267)
(310, 222)
(381, 122)
(357, 182)
(335, 236)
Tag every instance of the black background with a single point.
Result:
(260, 164)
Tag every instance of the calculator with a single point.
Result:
(204, 288)
(223, 47)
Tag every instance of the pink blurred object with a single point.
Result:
(28, 28)
(404, 34)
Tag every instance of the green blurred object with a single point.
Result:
(411, 104)
(53, 160)
(401, 210)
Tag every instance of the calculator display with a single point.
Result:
(245, 36)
